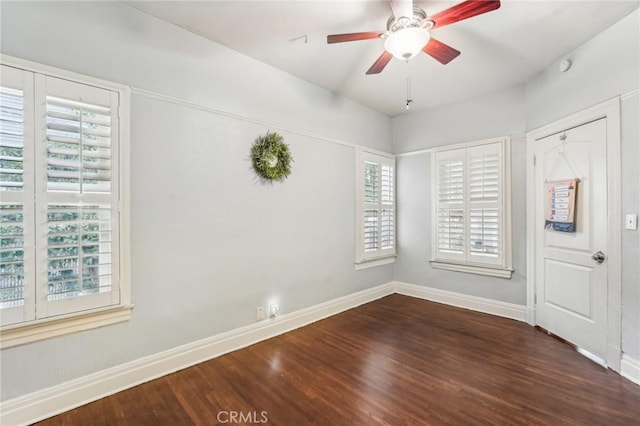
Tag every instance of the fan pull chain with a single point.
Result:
(409, 100)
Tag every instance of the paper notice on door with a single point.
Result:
(560, 205)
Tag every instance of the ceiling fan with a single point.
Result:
(409, 31)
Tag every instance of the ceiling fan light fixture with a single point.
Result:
(406, 43)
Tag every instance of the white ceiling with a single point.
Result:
(499, 49)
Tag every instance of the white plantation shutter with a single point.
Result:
(485, 201)
(11, 213)
(12, 139)
(450, 213)
(78, 193)
(469, 221)
(451, 231)
(78, 146)
(78, 250)
(12, 254)
(376, 206)
(387, 211)
(484, 173)
(371, 241)
(16, 194)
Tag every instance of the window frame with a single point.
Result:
(503, 269)
(66, 323)
(381, 256)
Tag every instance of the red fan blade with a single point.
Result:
(402, 8)
(464, 10)
(340, 38)
(440, 51)
(380, 63)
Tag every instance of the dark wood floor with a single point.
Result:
(396, 361)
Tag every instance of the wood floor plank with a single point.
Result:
(395, 361)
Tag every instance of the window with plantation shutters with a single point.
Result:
(375, 183)
(62, 252)
(471, 217)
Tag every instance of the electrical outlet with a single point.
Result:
(259, 313)
(274, 310)
(631, 222)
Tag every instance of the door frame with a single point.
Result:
(610, 110)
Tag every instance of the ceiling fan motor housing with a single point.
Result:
(418, 20)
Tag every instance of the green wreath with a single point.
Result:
(271, 157)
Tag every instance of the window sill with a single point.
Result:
(20, 334)
(498, 272)
(371, 263)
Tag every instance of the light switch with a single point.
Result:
(631, 222)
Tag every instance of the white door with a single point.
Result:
(571, 286)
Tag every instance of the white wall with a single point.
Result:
(604, 67)
(210, 242)
(630, 111)
(497, 114)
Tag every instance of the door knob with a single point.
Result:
(598, 256)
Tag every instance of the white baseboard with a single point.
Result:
(474, 303)
(48, 402)
(630, 368)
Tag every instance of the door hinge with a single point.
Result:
(535, 299)
(534, 160)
